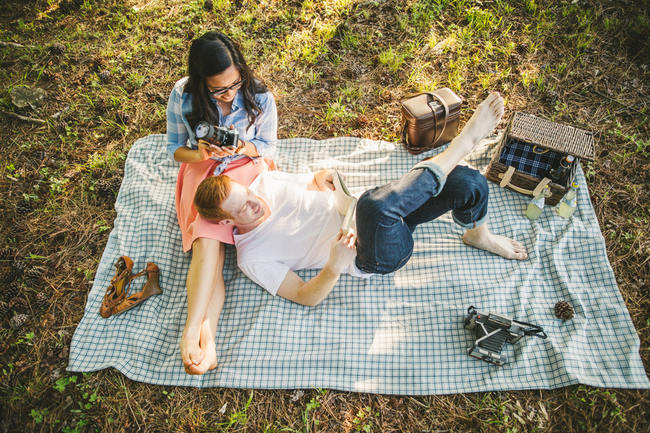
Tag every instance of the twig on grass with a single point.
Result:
(25, 118)
(58, 114)
(416, 401)
(128, 400)
(627, 106)
(11, 44)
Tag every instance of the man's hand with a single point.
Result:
(323, 181)
(315, 290)
(343, 251)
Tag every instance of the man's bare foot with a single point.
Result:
(481, 237)
(483, 121)
(209, 351)
(191, 352)
(485, 118)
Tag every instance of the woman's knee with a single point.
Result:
(207, 251)
(207, 244)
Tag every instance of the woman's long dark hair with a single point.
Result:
(211, 54)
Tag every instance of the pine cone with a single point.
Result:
(19, 266)
(564, 310)
(6, 253)
(18, 321)
(57, 48)
(105, 75)
(23, 208)
(33, 275)
(107, 188)
(12, 291)
(42, 300)
(4, 309)
(18, 304)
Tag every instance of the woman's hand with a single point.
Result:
(207, 150)
(243, 148)
(247, 148)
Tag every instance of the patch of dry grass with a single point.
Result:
(338, 68)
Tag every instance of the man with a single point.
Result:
(286, 222)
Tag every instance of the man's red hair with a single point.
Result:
(210, 195)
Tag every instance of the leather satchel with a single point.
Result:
(430, 119)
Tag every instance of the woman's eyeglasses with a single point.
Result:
(222, 90)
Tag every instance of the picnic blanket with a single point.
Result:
(397, 334)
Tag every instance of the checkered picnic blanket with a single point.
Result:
(396, 334)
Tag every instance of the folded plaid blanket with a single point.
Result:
(396, 334)
(526, 159)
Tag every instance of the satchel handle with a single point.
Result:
(430, 104)
(446, 116)
(405, 138)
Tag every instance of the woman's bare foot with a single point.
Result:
(209, 351)
(485, 118)
(481, 237)
(191, 352)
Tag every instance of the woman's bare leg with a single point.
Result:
(207, 336)
(205, 297)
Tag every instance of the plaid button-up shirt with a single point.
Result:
(263, 133)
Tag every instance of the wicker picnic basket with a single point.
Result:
(530, 147)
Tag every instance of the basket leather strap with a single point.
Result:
(507, 176)
(446, 115)
(540, 186)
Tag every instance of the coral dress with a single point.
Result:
(190, 175)
(241, 168)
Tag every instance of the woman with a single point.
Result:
(222, 90)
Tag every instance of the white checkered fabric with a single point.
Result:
(397, 334)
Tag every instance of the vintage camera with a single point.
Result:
(217, 135)
(492, 331)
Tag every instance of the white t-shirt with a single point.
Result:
(297, 235)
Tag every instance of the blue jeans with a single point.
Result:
(387, 215)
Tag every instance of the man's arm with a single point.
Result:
(312, 292)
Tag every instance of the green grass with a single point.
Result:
(337, 67)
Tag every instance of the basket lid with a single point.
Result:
(555, 136)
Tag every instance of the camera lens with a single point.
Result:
(202, 130)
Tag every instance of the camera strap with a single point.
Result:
(534, 330)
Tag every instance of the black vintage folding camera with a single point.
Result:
(217, 135)
(492, 331)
